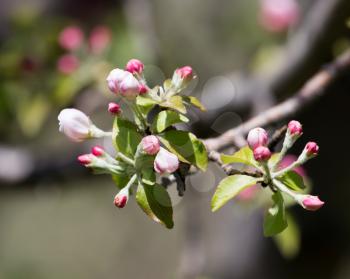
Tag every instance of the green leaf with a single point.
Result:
(288, 241)
(167, 118)
(126, 138)
(186, 146)
(273, 160)
(144, 166)
(167, 84)
(293, 180)
(195, 102)
(243, 156)
(155, 202)
(275, 219)
(176, 103)
(229, 187)
(145, 104)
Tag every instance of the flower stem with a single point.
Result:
(286, 169)
(280, 186)
(125, 159)
(131, 181)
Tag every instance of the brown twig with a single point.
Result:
(228, 169)
(313, 89)
(277, 136)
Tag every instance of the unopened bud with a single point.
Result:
(129, 87)
(114, 78)
(182, 76)
(97, 151)
(134, 66)
(85, 159)
(295, 128)
(114, 108)
(310, 202)
(165, 161)
(257, 137)
(143, 89)
(311, 148)
(150, 144)
(262, 153)
(185, 72)
(74, 124)
(121, 199)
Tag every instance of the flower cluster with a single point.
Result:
(147, 146)
(71, 39)
(285, 179)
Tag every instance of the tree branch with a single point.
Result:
(312, 90)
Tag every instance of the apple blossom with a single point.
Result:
(165, 161)
(257, 137)
(150, 144)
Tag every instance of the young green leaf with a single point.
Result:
(243, 156)
(144, 166)
(293, 180)
(288, 241)
(145, 104)
(126, 138)
(229, 187)
(155, 202)
(194, 101)
(167, 84)
(186, 146)
(275, 219)
(176, 103)
(165, 119)
(273, 160)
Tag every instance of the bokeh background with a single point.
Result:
(58, 221)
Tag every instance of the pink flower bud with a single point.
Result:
(85, 159)
(114, 108)
(165, 162)
(262, 153)
(99, 39)
(114, 79)
(67, 64)
(311, 148)
(71, 38)
(312, 203)
(257, 137)
(295, 128)
(129, 87)
(278, 15)
(134, 66)
(74, 124)
(150, 144)
(143, 89)
(97, 151)
(120, 199)
(185, 72)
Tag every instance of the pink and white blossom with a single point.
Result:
(134, 66)
(257, 137)
(150, 144)
(262, 153)
(165, 162)
(74, 124)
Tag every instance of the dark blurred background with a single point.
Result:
(58, 221)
